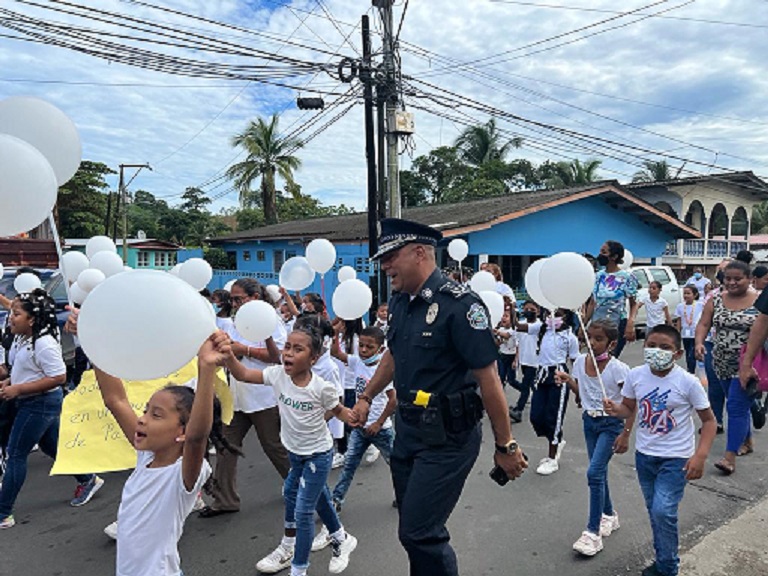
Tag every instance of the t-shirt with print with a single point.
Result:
(302, 411)
(509, 345)
(363, 375)
(556, 346)
(527, 343)
(28, 365)
(665, 410)
(611, 292)
(654, 311)
(590, 391)
(151, 517)
(689, 315)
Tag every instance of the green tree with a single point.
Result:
(574, 173)
(217, 258)
(484, 143)
(440, 171)
(654, 171)
(269, 154)
(82, 204)
(414, 189)
(146, 213)
(759, 222)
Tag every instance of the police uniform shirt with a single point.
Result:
(437, 336)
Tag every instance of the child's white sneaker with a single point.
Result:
(322, 539)
(338, 461)
(279, 559)
(341, 552)
(548, 466)
(372, 454)
(199, 503)
(588, 544)
(111, 530)
(609, 524)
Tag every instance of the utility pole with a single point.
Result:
(390, 83)
(123, 194)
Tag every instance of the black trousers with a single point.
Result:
(428, 482)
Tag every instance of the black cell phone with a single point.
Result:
(499, 476)
(751, 388)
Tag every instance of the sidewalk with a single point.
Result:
(738, 548)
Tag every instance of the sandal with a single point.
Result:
(745, 449)
(725, 467)
(209, 512)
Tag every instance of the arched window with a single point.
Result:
(718, 222)
(666, 208)
(739, 223)
(696, 216)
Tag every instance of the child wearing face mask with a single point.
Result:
(556, 345)
(666, 455)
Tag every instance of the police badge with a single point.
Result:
(432, 313)
(477, 317)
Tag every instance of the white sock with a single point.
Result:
(298, 571)
(339, 536)
(289, 541)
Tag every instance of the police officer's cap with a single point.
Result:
(395, 233)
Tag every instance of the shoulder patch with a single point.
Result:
(454, 289)
(478, 317)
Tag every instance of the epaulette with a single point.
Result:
(454, 289)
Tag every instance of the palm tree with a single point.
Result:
(654, 171)
(268, 154)
(483, 143)
(573, 173)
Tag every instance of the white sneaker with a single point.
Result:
(372, 454)
(548, 466)
(588, 544)
(560, 448)
(199, 503)
(322, 539)
(338, 461)
(279, 559)
(111, 530)
(609, 524)
(341, 552)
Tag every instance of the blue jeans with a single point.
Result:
(599, 434)
(622, 340)
(358, 444)
(690, 355)
(36, 422)
(506, 372)
(529, 380)
(662, 481)
(715, 389)
(739, 417)
(305, 491)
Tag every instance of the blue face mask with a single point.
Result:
(373, 360)
(216, 308)
(697, 275)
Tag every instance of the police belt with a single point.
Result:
(461, 411)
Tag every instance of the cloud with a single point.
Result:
(702, 84)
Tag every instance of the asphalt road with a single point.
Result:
(527, 527)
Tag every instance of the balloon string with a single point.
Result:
(57, 242)
(591, 352)
(322, 285)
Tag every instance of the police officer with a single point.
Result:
(440, 350)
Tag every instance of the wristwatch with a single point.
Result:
(508, 448)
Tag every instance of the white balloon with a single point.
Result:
(629, 258)
(74, 263)
(143, 325)
(352, 299)
(228, 285)
(482, 281)
(533, 287)
(2, 271)
(78, 294)
(495, 303)
(108, 262)
(296, 274)
(175, 270)
(567, 280)
(346, 273)
(196, 272)
(98, 244)
(127, 268)
(256, 320)
(26, 282)
(46, 128)
(89, 279)
(274, 292)
(28, 186)
(458, 249)
(321, 255)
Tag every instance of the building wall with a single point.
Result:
(581, 226)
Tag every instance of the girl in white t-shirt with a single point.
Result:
(605, 435)
(656, 308)
(304, 400)
(506, 337)
(34, 386)
(687, 315)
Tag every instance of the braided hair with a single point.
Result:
(568, 323)
(42, 308)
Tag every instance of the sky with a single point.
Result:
(637, 80)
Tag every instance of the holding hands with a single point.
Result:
(215, 350)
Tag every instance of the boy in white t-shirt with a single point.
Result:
(666, 455)
(378, 429)
(656, 308)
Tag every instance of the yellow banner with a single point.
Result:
(90, 439)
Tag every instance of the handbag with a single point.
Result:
(760, 364)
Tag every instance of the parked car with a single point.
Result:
(670, 289)
(53, 284)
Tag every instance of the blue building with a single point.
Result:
(511, 230)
